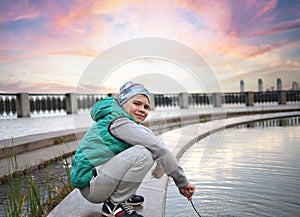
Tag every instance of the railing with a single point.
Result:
(166, 101)
(47, 104)
(31, 105)
(8, 105)
(292, 96)
(266, 97)
(234, 99)
(200, 99)
(86, 101)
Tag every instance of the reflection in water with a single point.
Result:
(255, 172)
(274, 122)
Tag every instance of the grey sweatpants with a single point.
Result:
(119, 178)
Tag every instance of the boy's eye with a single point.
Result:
(147, 107)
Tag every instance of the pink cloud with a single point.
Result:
(226, 25)
(251, 16)
(25, 9)
(263, 7)
(236, 19)
(82, 52)
(62, 29)
(254, 51)
(20, 86)
(11, 11)
(284, 26)
(212, 14)
(76, 13)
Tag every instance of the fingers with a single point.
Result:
(187, 191)
(188, 194)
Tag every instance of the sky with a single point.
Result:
(48, 46)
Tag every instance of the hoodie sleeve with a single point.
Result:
(136, 134)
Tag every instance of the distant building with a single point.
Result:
(295, 85)
(260, 85)
(279, 84)
(242, 86)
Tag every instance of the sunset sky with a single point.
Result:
(46, 45)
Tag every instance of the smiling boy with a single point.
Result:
(116, 153)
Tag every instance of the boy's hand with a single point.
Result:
(187, 191)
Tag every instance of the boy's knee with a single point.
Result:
(143, 154)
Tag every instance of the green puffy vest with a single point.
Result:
(98, 145)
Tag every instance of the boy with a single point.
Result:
(117, 152)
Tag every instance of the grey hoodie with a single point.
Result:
(135, 134)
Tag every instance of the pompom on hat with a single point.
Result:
(130, 89)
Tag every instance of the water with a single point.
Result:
(254, 172)
(53, 174)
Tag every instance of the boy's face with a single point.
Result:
(138, 107)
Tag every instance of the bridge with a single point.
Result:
(31, 105)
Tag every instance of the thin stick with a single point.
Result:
(195, 208)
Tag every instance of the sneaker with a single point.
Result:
(120, 210)
(135, 200)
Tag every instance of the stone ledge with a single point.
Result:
(39, 141)
(74, 205)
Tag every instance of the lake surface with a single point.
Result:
(252, 172)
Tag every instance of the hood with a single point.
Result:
(107, 106)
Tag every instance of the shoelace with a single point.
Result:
(130, 199)
(127, 208)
